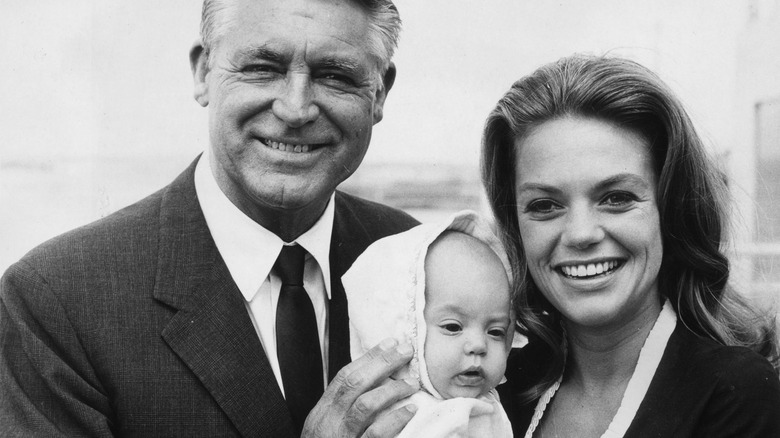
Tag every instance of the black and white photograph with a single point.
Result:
(381, 218)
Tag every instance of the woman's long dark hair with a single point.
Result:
(692, 198)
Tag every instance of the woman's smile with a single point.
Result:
(589, 270)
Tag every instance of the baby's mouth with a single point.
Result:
(472, 375)
(590, 270)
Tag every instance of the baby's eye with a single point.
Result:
(451, 327)
(497, 332)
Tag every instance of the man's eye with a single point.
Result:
(338, 77)
(451, 327)
(259, 68)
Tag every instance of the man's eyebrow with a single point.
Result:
(261, 52)
(343, 64)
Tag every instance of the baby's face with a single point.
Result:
(468, 319)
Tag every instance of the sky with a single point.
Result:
(112, 77)
(84, 82)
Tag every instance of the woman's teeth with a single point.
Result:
(288, 147)
(589, 270)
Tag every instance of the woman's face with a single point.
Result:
(588, 216)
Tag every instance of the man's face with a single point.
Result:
(292, 99)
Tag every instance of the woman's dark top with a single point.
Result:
(700, 389)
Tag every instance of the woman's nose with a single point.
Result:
(295, 106)
(583, 227)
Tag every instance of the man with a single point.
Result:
(163, 318)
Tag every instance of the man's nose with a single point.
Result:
(582, 228)
(295, 105)
(475, 344)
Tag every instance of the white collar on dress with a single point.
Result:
(649, 358)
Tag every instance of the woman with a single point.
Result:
(615, 216)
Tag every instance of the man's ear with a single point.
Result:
(388, 80)
(199, 63)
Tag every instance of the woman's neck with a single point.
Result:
(603, 358)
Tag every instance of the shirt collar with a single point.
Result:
(249, 250)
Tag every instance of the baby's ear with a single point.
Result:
(518, 340)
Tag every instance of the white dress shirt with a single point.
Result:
(250, 251)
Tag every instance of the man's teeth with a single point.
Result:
(589, 270)
(288, 147)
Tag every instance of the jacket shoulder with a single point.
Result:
(377, 219)
(120, 233)
(359, 223)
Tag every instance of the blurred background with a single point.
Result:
(97, 108)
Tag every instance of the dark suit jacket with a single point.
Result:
(132, 326)
(700, 389)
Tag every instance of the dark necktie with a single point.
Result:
(297, 339)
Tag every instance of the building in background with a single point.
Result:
(754, 156)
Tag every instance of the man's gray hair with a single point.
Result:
(383, 21)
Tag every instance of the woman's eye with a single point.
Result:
(451, 327)
(542, 206)
(618, 199)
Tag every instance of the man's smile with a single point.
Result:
(289, 147)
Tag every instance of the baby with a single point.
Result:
(445, 288)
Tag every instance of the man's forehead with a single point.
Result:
(328, 27)
(341, 16)
(283, 52)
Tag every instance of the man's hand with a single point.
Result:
(353, 403)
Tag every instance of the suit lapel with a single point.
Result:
(212, 332)
(349, 239)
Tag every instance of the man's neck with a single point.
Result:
(288, 224)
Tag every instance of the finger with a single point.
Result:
(367, 407)
(391, 423)
(368, 371)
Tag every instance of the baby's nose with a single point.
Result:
(475, 344)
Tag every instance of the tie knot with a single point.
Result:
(289, 265)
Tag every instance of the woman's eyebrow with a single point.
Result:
(532, 186)
(623, 178)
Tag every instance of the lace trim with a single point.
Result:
(541, 406)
